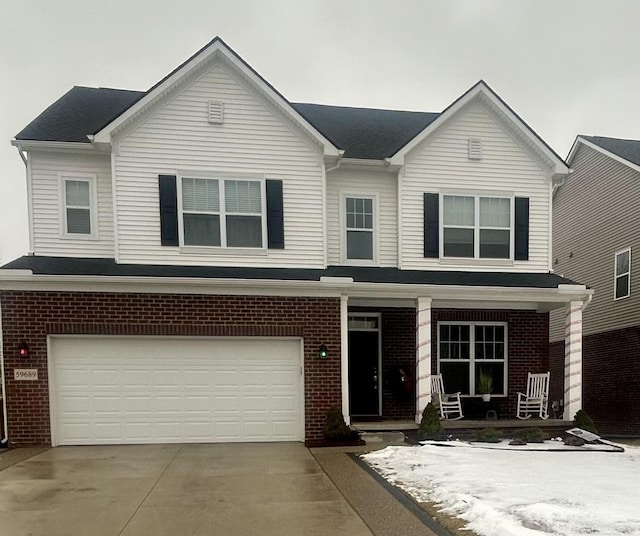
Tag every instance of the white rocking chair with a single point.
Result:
(449, 404)
(536, 400)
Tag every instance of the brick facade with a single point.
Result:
(611, 379)
(32, 316)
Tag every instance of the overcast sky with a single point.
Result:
(566, 66)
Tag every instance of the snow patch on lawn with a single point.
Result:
(521, 493)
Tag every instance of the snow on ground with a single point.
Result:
(521, 493)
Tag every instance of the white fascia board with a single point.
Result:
(217, 47)
(481, 89)
(595, 147)
(62, 146)
(327, 287)
(365, 164)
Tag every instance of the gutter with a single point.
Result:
(2, 385)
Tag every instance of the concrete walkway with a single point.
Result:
(213, 489)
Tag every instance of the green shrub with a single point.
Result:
(582, 420)
(488, 435)
(430, 426)
(335, 429)
(531, 435)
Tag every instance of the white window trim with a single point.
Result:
(471, 361)
(223, 248)
(343, 228)
(476, 226)
(616, 275)
(92, 179)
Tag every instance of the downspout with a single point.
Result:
(2, 385)
(586, 303)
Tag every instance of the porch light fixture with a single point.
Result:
(323, 352)
(23, 349)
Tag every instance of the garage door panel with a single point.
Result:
(143, 390)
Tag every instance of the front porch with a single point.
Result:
(390, 352)
(465, 429)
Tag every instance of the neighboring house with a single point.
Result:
(211, 262)
(596, 234)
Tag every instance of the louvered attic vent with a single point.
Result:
(475, 149)
(216, 112)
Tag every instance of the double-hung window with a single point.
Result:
(78, 206)
(222, 212)
(359, 223)
(477, 227)
(465, 350)
(622, 274)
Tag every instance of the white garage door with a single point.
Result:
(111, 390)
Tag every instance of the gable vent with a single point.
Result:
(216, 112)
(475, 149)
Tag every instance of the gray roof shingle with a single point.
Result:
(79, 112)
(108, 267)
(627, 149)
(361, 132)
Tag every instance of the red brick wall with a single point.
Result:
(611, 379)
(31, 316)
(528, 350)
(398, 352)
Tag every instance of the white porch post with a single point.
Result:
(344, 356)
(573, 360)
(423, 355)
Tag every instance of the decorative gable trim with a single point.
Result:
(481, 90)
(217, 47)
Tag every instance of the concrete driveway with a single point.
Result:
(222, 489)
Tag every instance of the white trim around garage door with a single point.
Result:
(187, 411)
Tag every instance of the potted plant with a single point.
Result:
(485, 385)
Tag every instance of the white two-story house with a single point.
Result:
(211, 262)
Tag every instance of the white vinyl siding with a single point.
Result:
(595, 215)
(441, 165)
(255, 139)
(48, 171)
(344, 183)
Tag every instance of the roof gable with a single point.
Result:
(481, 91)
(216, 49)
(624, 151)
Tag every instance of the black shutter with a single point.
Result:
(168, 210)
(431, 225)
(522, 229)
(275, 214)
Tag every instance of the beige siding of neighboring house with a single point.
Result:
(255, 139)
(441, 165)
(48, 239)
(595, 215)
(382, 186)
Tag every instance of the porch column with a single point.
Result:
(573, 360)
(344, 356)
(423, 355)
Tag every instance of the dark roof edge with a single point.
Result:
(107, 267)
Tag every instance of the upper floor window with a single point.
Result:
(466, 350)
(78, 198)
(477, 227)
(359, 228)
(622, 274)
(223, 213)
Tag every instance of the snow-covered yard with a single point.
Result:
(521, 492)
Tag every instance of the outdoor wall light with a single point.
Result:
(323, 352)
(23, 349)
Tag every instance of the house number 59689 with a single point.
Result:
(25, 374)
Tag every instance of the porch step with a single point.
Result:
(382, 437)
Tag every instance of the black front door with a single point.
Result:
(364, 373)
